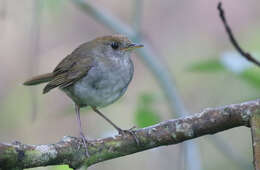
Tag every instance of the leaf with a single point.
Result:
(61, 167)
(145, 114)
(251, 76)
(210, 65)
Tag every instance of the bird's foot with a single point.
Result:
(85, 141)
(131, 132)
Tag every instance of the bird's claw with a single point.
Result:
(131, 132)
(85, 141)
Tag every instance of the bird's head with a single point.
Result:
(113, 45)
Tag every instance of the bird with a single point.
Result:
(95, 75)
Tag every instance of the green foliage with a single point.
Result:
(211, 65)
(61, 167)
(231, 63)
(145, 114)
(251, 76)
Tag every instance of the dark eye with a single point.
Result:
(115, 45)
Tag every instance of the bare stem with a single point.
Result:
(232, 39)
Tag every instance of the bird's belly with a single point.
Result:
(91, 94)
(100, 88)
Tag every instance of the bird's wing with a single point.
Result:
(69, 70)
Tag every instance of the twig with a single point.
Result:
(246, 55)
(255, 131)
(70, 150)
(233, 41)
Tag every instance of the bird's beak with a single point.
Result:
(132, 46)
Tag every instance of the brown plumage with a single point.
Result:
(95, 74)
(68, 71)
(39, 79)
(75, 66)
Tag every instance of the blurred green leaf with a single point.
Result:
(237, 67)
(145, 114)
(211, 65)
(251, 76)
(61, 167)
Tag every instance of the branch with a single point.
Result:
(255, 122)
(255, 129)
(233, 41)
(70, 150)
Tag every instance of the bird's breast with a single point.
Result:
(103, 84)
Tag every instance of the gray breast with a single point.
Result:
(103, 84)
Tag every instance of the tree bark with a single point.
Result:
(70, 150)
(255, 129)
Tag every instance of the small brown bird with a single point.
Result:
(95, 74)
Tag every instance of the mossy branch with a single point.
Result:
(70, 150)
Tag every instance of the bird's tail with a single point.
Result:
(39, 79)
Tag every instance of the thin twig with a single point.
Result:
(237, 159)
(71, 151)
(232, 39)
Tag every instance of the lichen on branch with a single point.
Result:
(70, 150)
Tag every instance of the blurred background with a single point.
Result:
(186, 42)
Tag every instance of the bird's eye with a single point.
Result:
(115, 45)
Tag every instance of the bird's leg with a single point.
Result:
(84, 139)
(120, 131)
